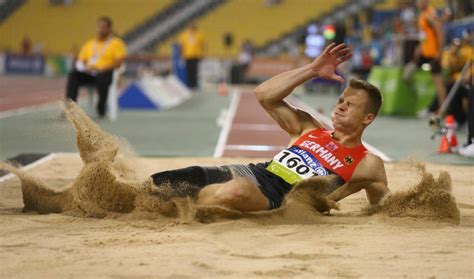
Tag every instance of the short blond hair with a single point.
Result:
(373, 93)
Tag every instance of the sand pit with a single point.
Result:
(105, 220)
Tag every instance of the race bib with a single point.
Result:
(295, 164)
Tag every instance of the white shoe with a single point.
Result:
(467, 151)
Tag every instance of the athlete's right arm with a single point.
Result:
(368, 175)
(271, 93)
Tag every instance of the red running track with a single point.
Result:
(22, 92)
(253, 133)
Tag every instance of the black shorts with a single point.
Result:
(434, 63)
(271, 186)
(274, 187)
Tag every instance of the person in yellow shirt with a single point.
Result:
(456, 56)
(96, 62)
(192, 46)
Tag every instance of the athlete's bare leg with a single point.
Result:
(239, 193)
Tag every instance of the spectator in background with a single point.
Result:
(38, 48)
(271, 3)
(228, 41)
(97, 60)
(61, 2)
(26, 46)
(192, 50)
(246, 54)
(408, 27)
(461, 8)
(292, 49)
(238, 70)
(377, 47)
(398, 27)
(408, 17)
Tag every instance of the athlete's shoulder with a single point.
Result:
(308, 121)
(373, 160)
(313, 130)
(371, 168)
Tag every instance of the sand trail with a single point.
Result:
(108, 184)
(423, 229)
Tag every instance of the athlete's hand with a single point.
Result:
(325, 64)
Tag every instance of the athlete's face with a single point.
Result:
(350, 111)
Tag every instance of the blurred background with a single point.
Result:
(180, 89)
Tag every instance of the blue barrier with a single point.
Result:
(21, 64)
(179, 67)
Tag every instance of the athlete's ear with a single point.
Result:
(369, 118)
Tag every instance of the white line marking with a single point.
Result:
(219, 151)
(256, 127)
(83, 101)
(328, 124)
(29, 109)
(59, 154)
(29, 166)
(255, 147)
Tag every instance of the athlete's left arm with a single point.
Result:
(369, 175)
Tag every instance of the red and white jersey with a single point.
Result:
(316, 153)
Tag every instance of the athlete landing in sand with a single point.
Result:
(312, 150)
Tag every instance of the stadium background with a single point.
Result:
(33, 82)
(221, 123)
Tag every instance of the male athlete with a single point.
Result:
(312, 150)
